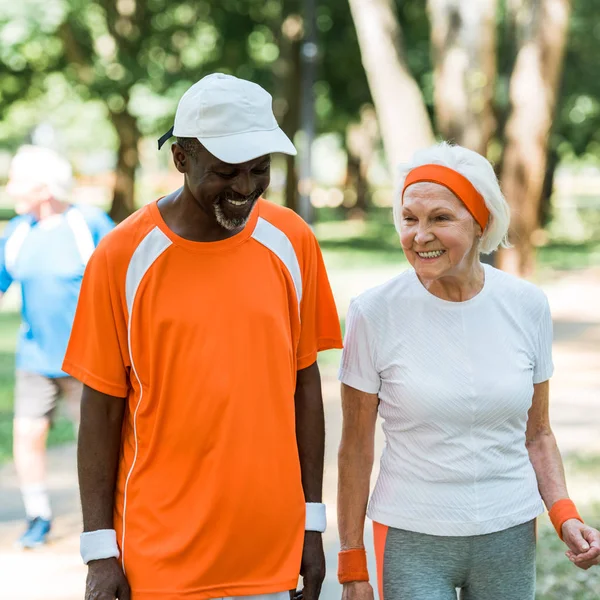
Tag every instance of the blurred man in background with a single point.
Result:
(45, 249)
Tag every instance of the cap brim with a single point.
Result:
(242, 147)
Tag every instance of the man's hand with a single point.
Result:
(357, 590)
(584, 544)
(106, 581)
(312, 567)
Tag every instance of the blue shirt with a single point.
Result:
(48, 259)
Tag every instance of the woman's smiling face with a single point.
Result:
(438, 234)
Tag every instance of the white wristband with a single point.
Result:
(96, 545)
(316, 517)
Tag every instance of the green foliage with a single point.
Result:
(139, 56)
(577, 127)
(557, 577)
(27, 51)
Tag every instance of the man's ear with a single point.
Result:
(179, 157)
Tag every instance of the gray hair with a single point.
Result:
(478, 170)
(39, 165)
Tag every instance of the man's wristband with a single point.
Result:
(561, 511)
(97, 545)
(316, 517)
(352, 565)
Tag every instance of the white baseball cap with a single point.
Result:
(232, 118)
(34, 166)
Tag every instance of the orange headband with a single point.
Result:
(459, 185)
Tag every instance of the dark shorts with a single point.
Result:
(37, 396)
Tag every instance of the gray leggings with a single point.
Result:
(495, 566)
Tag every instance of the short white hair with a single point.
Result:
(478, 170)
(37, 165)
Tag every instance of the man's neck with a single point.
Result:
(185, 218)
(49, 208)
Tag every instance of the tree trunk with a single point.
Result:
(356, 181)
(533, 92)
(463, 36)
(291, 183)
(123, 203)
(291, 68)
(403, 118)
(362, 140)
(552, 161)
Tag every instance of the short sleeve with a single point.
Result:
(543, 367)
(5, 276)
(358, 368)
(97, 353)
(319, 321)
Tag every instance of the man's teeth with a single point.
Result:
(433, 254)
(238, 202)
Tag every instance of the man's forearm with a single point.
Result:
(310, 431)
(98, 456)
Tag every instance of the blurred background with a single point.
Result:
(359, 85)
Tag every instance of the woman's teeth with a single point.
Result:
(433, 254)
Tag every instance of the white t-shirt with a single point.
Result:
(455, 383)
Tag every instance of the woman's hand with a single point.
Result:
(583, 542)
(358, 590)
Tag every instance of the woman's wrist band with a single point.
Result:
(97, 545)
(352, 565)
(561, 511)
(316, 517)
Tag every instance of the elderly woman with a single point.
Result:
(456, 357)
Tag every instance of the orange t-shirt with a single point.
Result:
(204, 341)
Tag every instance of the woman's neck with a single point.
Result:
(459, 287)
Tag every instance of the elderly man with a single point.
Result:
(45, 249)
(196, 338)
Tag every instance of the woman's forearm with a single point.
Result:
(355, 463)
(354, 476)
(547, 463)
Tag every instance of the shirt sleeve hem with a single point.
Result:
(306, 361)
(363, 385)
(322, 344)
(96, 383)
(543, 376)
(329, 344)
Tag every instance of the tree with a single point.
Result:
(534, 84)
(290, 79)
(402, 114)
(361, 143)
(463, 44)
(576, 129)
(27, 53)
(129, 52)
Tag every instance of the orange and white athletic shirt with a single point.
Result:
(204, 341)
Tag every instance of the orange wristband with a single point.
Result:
(352, 565)
(561, 511)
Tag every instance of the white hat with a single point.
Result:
(34, 166)
(232, 118)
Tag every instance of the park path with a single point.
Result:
(55, 572)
